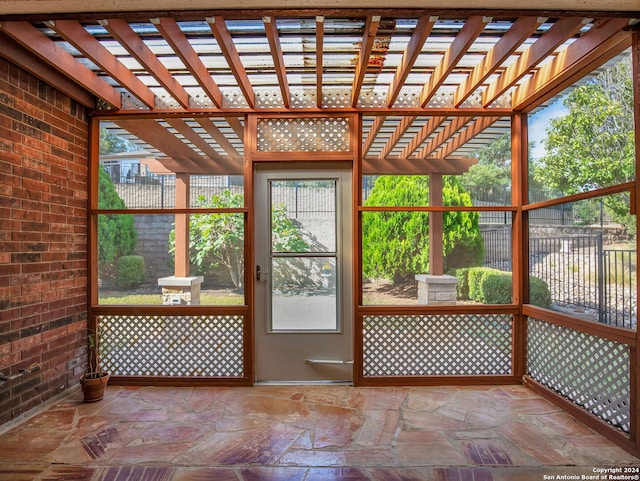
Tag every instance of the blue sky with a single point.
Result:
(538, 124)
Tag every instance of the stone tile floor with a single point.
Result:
(306, 433)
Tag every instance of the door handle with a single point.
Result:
(260, 272)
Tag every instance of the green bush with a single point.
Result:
(116, 233)
(491, 286)
(131, 272)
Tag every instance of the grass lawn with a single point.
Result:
(206, 298)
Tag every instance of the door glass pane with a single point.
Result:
(303, 255)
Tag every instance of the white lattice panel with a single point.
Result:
(588, 370)
(437, 345)
(303, 135)
(200, 346)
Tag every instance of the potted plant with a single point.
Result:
(95, 379)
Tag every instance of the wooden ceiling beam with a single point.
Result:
(411, 52)
(370, 31)
(414, 166)
(465, 38)
(443, 136)
(180, 44)
(319, 58)
(378, 122)
(427, 129)
(559, 33)
(520, 31)
(74, 33)
(121, 31)
(470, 132)
(271, 30)
(48, 51)
(184, 129)
(27, 60)
(225, 42)
(236, 126)
(220, 139)
(400, 130)
(594, 47)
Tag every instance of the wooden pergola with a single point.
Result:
(418, 89)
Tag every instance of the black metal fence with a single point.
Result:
(581, 273)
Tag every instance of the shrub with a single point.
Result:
(131, 272)
(476, 277)
(463, 283)
(496, 288)
(539, 293)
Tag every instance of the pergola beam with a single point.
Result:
(465, 38)
(412, 51)
(319, 58)
(225, 42)
(221, 140)
(585, 51)
(470, 132)
(122, 32)
(370, 30)
(559, 32)
(415, 166)
(400, 130)
(443, 136)
(521, 29)
(271, 30)
(427, 129)
(378, 122)
(180, 44)
(74, 33)
(48, 51)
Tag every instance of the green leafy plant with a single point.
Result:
(396, 243)
(130, 272)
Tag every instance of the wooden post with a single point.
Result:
(436, 252)
(181, 255)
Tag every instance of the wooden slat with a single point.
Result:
(180, 44)
(27, 60)
(414, 166)
(378, 122)
(75, 34)
(443, 136)
(47, 50)
(465, 38)
(586, 50)
(401, 129)
(370, 30)
(426, 130)
(412, 51)
(225, 42)
(236, 125)
(559, 32)
(196, 139)
(478, 126)
(319, 58)
(124, 34)
(521, 29)
(271, 30)
(220, 139)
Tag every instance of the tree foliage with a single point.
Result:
(111, 143)
(592, 146)
(116, 234)
(396, 244)
(217, 240)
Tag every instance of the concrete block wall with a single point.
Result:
(43, 241)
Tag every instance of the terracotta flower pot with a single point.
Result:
(93, 386)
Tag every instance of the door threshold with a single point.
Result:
(303, 383)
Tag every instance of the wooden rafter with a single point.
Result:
(225, 42)
(470, 132)
(443, 136)
(47, 50)
(221, 140)
(427, 129)
(181, 157)
(378, 122)
(521, 29)
(559, 32)
(132, 43)
(412, 51)
(74, 33)
(28, 61)
(271, 29)
(402, 165)
(319, 58)
(236, 126)
(465, 38)
(180, 44)
(400, 130)
(370, 30)
(590, 47)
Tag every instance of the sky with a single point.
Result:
(538, 124)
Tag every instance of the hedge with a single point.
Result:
(491, 286)
(131, 272)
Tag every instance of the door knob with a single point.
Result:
(259, 272)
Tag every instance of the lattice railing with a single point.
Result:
(201, 346)
(590, 371)
(437, 345)
(322, 134)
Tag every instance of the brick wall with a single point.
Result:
(43, 241)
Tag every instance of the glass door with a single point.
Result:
(303, 309)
